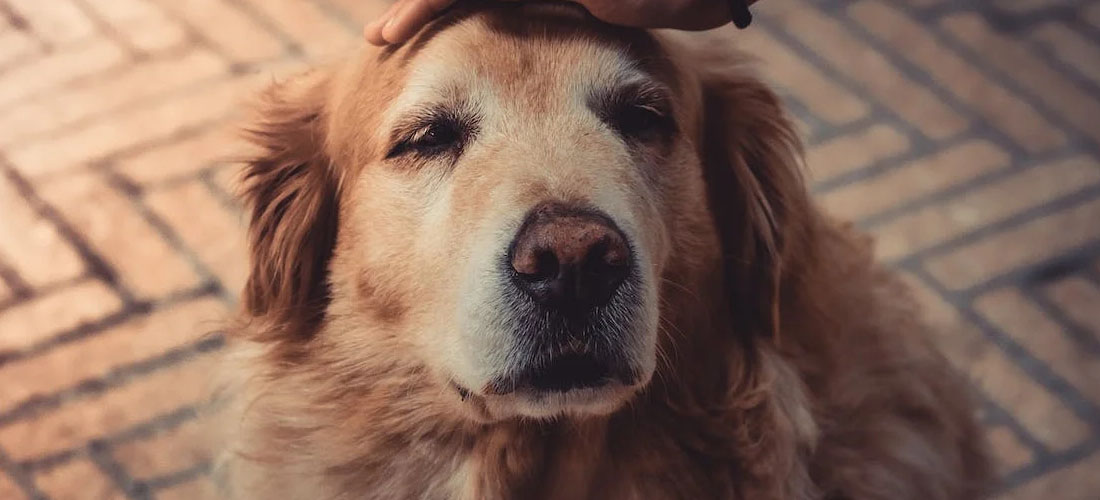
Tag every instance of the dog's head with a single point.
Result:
(501, 201)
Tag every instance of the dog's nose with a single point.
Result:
(569, 258)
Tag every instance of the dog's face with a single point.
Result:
(497, 202)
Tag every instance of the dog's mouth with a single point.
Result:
(540, 360)
(561, 377)
(568, 372)
(563, 373)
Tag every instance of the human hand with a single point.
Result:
(405, 17)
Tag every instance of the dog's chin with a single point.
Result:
(552, 366)
(567, 389)
(580, 402)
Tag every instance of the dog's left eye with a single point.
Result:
(639, 115)
(433, 138)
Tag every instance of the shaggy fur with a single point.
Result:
(791, 366)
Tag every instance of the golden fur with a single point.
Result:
(788, 364)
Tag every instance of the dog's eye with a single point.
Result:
(639, 112)
(433, 138)
(639, 121)
(437, 135)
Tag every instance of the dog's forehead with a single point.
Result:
(534, 55)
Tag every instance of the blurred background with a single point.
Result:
(965, 135)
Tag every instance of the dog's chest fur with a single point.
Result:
(665, 446)
(559, 462)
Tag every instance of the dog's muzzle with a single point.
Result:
(573, 284)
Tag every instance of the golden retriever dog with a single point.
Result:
(528, 255)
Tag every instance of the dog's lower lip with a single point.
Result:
(564, 373)
(570, 371)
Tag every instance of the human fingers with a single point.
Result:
(679, 14)
(373, 30)
(411, 17)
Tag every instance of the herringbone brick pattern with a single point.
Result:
(964, 134)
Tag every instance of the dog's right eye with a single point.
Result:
(639, 121)
(436, 136)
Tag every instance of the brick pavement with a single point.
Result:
(964, 134)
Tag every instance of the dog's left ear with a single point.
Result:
(753, 168)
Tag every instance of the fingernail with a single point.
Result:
(386, 32)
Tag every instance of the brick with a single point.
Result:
(183, 157)
(1017, 62)
(78, 479)
(359, 11)
(112, 412)
(228, 180)
(274, 71)
(1009, 452)
(802, 127)
(8, 489)
(846, 154)
(959, 340)
(988, 204)
(129, 129)
(146, 264)
(44, 316)
(1003, 109)
(1002, 380)
(1071, 48)
(1077, 481)
(57, 21)
(1078, 298)
(155, 37)
(264, 74)
(173, 450)
(1092, 14)
(15, 45)
(139, 339)
(198, 489)
(31, 244)
(915, 180)
(1022, 320)
(1023, 245)
(141, 24)
(1027, 6)
(206, 226)
(308, 25)
(44, 73)
(150, 78)
(119, 13)
(229, 29)
(879, 76)
(822, 96)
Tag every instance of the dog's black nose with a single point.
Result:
(570, 259)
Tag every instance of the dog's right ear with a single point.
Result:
(290, 190)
